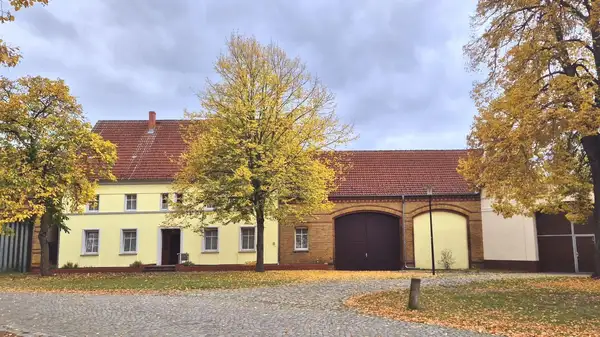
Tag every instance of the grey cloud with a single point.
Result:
(45, 23)
(157, 53)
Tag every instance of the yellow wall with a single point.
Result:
(111, 218)
(512, 238)
(449, 232)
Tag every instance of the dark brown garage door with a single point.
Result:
(556, 240)
(367, 241)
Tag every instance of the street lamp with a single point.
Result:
(430, 195)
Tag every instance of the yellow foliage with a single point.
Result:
(258, 148)
(9, 56)
(50, 160)
(167, 283)
(524, 308)
(540, 99)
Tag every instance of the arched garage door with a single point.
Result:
(367, 241)
(449, 232)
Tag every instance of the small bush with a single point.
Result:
(188, 263)
(136, 264)
(447, 260)
(70, 265)
(251, 263)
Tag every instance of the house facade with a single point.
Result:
(127, 221)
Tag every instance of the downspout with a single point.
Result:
(403, 235)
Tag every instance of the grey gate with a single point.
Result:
(15, 249)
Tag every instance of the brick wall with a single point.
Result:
(322, 234)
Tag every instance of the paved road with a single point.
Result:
(292, 310)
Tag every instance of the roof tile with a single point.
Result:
(153, 156)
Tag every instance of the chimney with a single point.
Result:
(151, 121)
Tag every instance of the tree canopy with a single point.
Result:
(50, 160)
(535, 138)
(258, 148)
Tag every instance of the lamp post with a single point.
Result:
(430, 195)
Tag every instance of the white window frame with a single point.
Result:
(136, 202)
(137, 241)
(160, 202)
(296, 248)
(97, 200)
(177, 198)
(242, 239)
(83, 233)
(204, 250)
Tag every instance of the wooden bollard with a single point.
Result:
(415, 293)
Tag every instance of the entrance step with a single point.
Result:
(154, 269)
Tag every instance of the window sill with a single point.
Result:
(248, 251)
(210, 252)
(92, 211)
(301, 250)
(128, 253)
(89, 254)
(130, 210)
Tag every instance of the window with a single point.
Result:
(94, 206)
(211, 240)
(247, 238)
(91, 241)
(301, 239)
(179, 198)
(130, 202)
(128, 241)
(164, 201)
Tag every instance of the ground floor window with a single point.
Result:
(91, 241)
(247, 235)
(301, 238)
(129, 241)
(211, 240)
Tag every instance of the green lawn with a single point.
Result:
(513, 307)
(167, 282)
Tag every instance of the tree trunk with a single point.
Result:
(45, 224)
(591, 145)
(260, 239)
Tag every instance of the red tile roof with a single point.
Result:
(387, 173)
(143, 155)
(152, 156)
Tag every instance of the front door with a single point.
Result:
(171, 246)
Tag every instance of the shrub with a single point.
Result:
(136, 264)
(447, 260)
(188, 263)
(70, 265)
(251, 263)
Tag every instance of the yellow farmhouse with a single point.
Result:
(126, 222)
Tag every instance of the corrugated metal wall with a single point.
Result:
(15, 249)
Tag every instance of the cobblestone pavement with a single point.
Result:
(314, 309)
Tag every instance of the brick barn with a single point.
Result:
(381, 216)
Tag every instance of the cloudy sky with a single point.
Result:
(396, 66)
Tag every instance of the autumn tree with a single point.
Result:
(258, 148)
(536, 137)
(10, 56)
(50, 160)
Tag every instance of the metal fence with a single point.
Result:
(15, 249)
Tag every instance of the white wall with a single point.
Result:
(512, 239)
